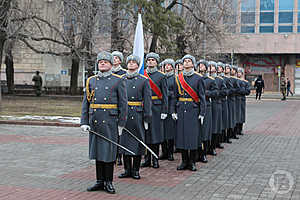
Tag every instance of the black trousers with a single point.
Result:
(258, 93)
(104, 171)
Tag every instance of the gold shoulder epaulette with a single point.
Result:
(143, 76)
(212, 78)
(199, 74)
(119, 76)
(89, 94)
(89, 78)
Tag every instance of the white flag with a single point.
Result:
(138, 46)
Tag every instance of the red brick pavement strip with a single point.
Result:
(23, 193)
(43, 139)
(165, 176)
(284, 123)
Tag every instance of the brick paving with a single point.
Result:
(48, 162)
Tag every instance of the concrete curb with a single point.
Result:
(38, 123)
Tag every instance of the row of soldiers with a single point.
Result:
(194, 106)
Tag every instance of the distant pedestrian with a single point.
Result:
(38, 82)
(259, 86)
(283, 87)
(288, 88)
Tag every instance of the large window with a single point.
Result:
(285, 18)
(285, 29)
(247, 29)
(248, 16)
(266, 29)
(266, 16)
(266, 5)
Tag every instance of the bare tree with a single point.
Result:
(208, 23)
(4, 9)
(69, 32)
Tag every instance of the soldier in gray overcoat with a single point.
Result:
(225, 92)
(158, 85)
(117, 69)
(245, 91)
(169, 124)
(139, 116)
(189, 108)
(104, 110)
(236, 107)
(211, 91)
(229, 86)
(178, 66)
(118, 60)
(216, 109)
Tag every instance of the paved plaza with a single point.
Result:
(43, 162)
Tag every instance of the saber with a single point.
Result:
(140, 141)
(105, 138)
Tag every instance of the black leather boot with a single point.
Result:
(184, 160)
(235, 133)
(192, 163)
(147, 159)
(155, 160)
(227, 137)
(212, 147)
(170, 150)
(98, 186)
(203, 158)
(109, 187)
(119, 159)
(136, 167)
(219, 140)
(109, 172)
(164, 148)
(127, 167)
(99, 176)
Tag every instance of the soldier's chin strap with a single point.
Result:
(140, 141)
(109, 140)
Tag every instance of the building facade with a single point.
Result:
(266, 41)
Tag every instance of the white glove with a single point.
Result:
(163, 116)
(146, 125)
(85, 128)
(201, 118)
(174, 116)
(120, 130)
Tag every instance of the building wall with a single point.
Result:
(54, 70)
(267, 36)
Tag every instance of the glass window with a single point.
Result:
(266, 29)
(286, 4)
(248, 18)
(247, 29)
(267, 17)
(298, 29)
(266, 4)
(285, 17)
(248, 5)
(285, 29)
(299, 14)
